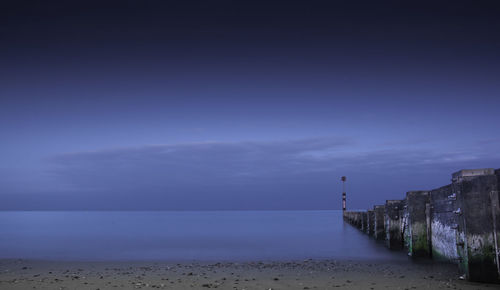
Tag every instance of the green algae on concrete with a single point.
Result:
(417, 223)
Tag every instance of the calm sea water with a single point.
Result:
(194, 235)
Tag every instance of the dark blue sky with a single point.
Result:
(242, 104)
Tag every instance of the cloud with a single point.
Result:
(190, 163)
(205, 163)
(246, 175)
(224, 163)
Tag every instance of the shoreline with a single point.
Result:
(292, 274)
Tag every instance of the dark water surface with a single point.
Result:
(184, 235)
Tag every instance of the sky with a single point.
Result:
(242, 105)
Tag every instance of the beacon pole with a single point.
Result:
(343, 193)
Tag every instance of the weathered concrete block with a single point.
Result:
(347, 217)
(371, 222)
(468, 174)
(495, 209)
(418, 240)
(405, 224)
(359, 220)
(364, 221)
(497, 173)
(354, 218)
(444, 224)
(478, 207)
(394, 237)
(379, 223)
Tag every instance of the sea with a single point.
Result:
(185, 236)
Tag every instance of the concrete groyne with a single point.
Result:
(457, 223)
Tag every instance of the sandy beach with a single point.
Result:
(308, 274)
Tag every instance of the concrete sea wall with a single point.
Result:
(458, 223)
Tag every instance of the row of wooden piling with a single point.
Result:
(457, 223)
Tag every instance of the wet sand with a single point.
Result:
(309, 274)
